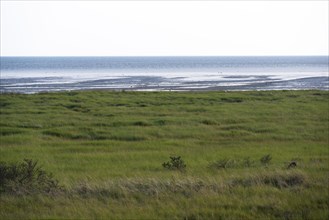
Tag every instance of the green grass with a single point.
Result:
(107, 149)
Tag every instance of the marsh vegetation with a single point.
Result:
(104, 154)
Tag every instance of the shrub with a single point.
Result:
(292, 164)
(141, 123)
(26, 178)
(175, 163)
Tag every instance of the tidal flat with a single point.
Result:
(247, 155)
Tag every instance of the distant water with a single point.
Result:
(38, 74)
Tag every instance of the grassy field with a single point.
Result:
(106, 149)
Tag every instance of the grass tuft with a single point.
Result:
(276, 179)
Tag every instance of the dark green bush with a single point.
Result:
(26, 178)
(175, 163)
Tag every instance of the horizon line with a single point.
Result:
(313, 55)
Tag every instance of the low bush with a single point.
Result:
(175, 163)
(26, 178)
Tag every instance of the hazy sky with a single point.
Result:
(145, 28)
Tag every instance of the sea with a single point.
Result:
(48, 74)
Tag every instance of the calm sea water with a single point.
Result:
(37, 74)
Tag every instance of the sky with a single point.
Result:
(164, 28)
